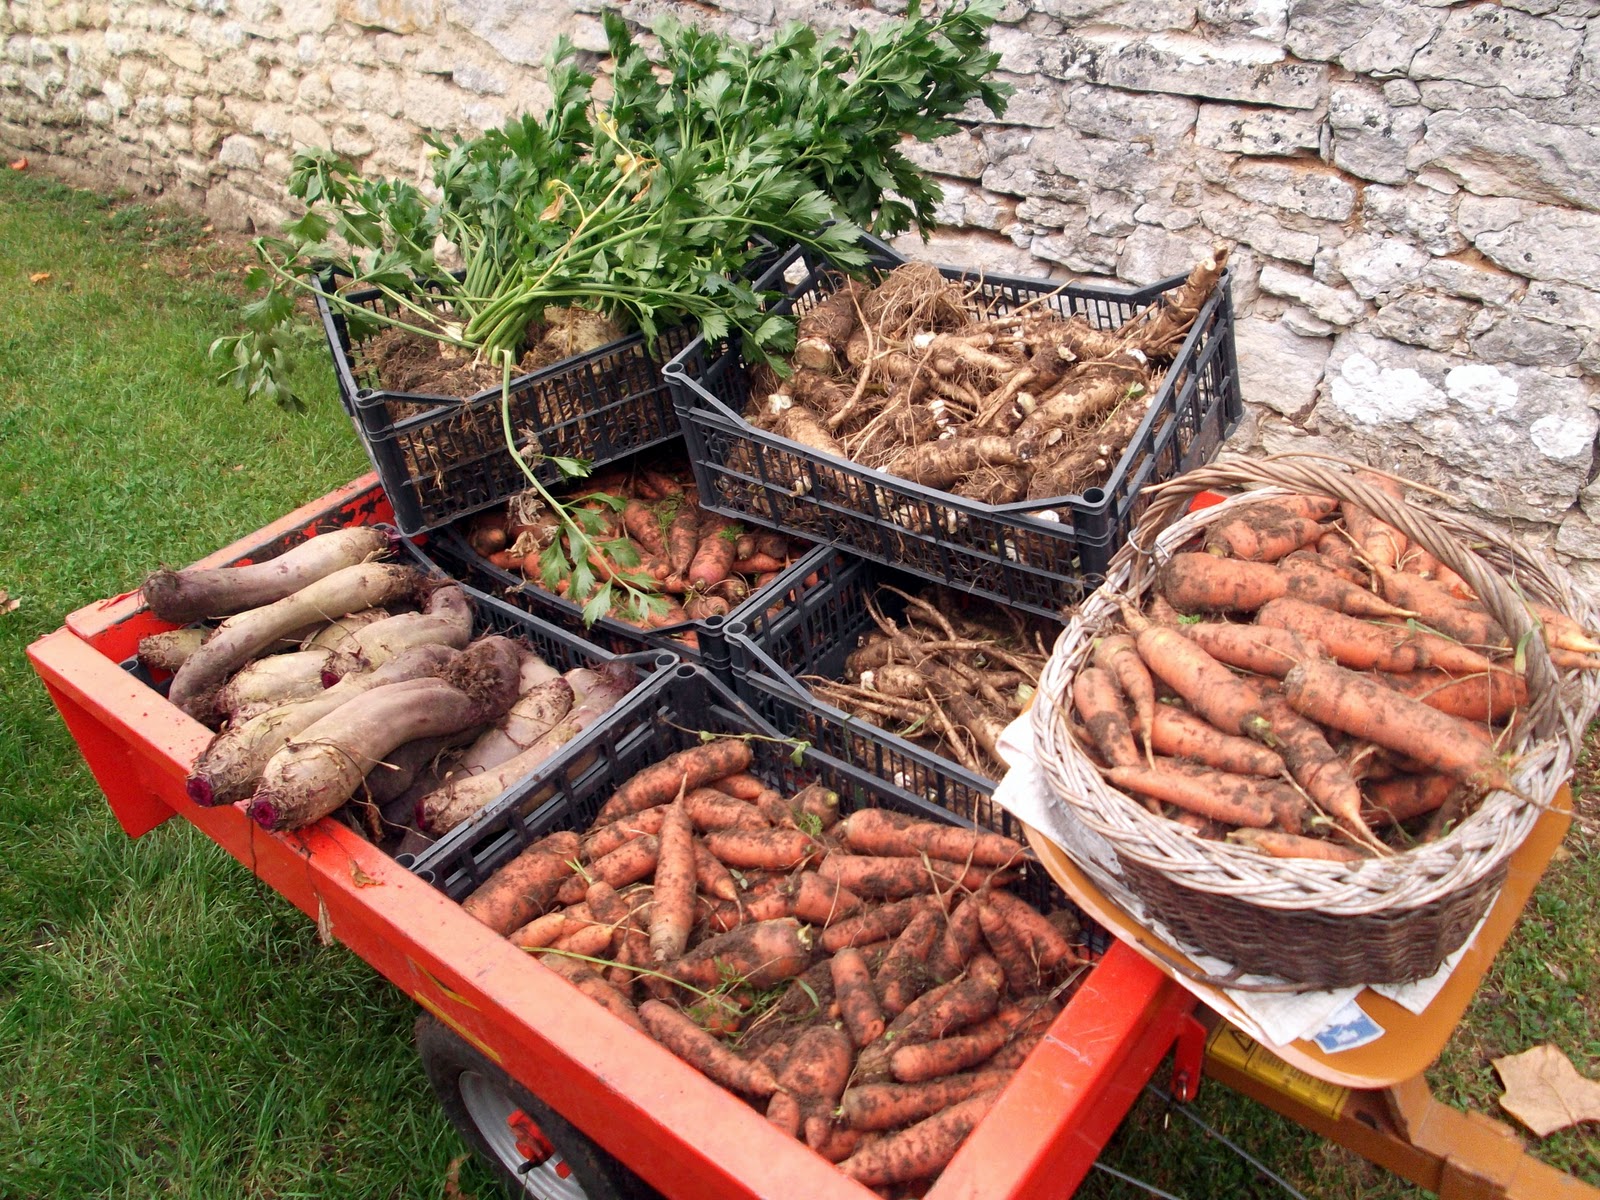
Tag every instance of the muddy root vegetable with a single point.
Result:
(819, 901)
(1487, 696)
(664, 781)
(1364, 707)
(704, 1053)
(271, 681)
(1277, 844)
(445, 619)
(1098, 701)
(534, 714)
(322, 767)
(672, 913)
(523, 888)
(877, 831)
(858, 999)
(195, 594)
(885, 1106)
(904, 974)
(170, 650)
(762, 849)
(1364, 645)
(940, 464)
(1178, 734)
(875, 924)
(1046, 944)
(1217, 796)
(922, 1150)
(1261, 648)
(241, 637)
(1203, 583)
(760, 955)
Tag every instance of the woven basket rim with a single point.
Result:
(1402, 882)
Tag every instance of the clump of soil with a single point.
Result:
(408, 362)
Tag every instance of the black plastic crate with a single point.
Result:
(666, 715)
(441, 457)
(708, 643)
(1041, 556)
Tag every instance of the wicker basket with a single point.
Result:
(1310, 923)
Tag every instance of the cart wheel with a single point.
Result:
(531, 1149)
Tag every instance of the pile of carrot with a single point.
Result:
(341, 684)
(648, 530)
(948, 674)
(867, 982)
(1309, 683)
(926, 378)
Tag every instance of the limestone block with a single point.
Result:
(1150, 254)
(1235, 129)
(1370, 138)
(240, 153)
(1020, 176)
(396, 16)
(1506, 153)
(1494, 46)
(1424, 319)
(479, 79)
(1279, 368)
(1052, 214)
(183, 54)
(1260, 228)
(1242, 69)
(1297, 188)
(505, 25)
(1561, 304)
(1265, 19)
(1126, 116)
(959, 154)
(974, 251)
(1516, 339)
(308, 16)
(1419, 214)
(1375, 265)
(1538, 241)
(1371, 37)
(1078, 251)
(1472, 281)
(1337, 306)
(1401, 92)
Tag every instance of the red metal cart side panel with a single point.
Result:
(95, 619)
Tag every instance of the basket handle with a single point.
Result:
(1314, 474)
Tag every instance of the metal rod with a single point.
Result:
(1138, 1183)
(1183, 1109)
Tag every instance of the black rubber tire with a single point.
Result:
(447, 1059)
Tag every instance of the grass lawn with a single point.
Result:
(171, 1027)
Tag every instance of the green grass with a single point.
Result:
(168, 1025)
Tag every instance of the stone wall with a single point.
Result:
(1411, 187)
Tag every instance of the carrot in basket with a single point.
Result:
(1179, 734)
(956, 944)
(929, 1060)
(894, 878)
(627, 864)
(1313, 763)
(711, 810)
(525, 886)
(662, 782)
(1221, 797)
(1210, 688)
(757, 564)
(703, 608)
(879, 831)
(1098, 701)
(711, 877)
(644, 526)
(703, 1052)
(1365, 645)
(1263, 649)
(1491, 695)
(603, 839)
(923, 1149)
(742, 786)
(1198, 582)
(875, 924)
(672, 912)
(683, 538)
(893, 1105)
(1261, 533)
(713, 558)
(1359, 705)
(760, 955)
(1397, 800)
(819, 901)
(1047, 945)
(904, 973)
(1278, 844)
(1120, 656)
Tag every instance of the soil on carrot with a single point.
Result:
(408, 362)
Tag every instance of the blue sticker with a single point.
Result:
(1346, 1029)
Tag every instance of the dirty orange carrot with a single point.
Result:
(627, 864)
(894, 878)
(1312, 761)
(1278, 844)
(884, 1106)
(880, 831)
(757, 564)
(1365, 645)
(741, 786)
(703, 1052)
(1118, 654)
(524, 887)
(818, 1068)
(662, 782)
(1359, 705)
(712, 877)
(1196, 582)
(713, 558)
(1047, 945)
(875, 924)
(767, 849)
(929, 1060)
(904, 973)
(775, 809)
(543, 931)
(819, 901)
(956, 944)
(956, 1006)
(1289, 807)
(711, 810)
(603, 839)
(817, 802)
(587, 939)
(644, 526)
(1491, 695)
(1264, 649)
(858, 1001)
(761, 955)
(1098, 701)
(672, 910)
(1015, 957)
(589, 982)
(1394, 801)
(1179, 734)
(1258, 533)
(923, 1149)
(1210, 689)
(1220, 797)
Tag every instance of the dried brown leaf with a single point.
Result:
(324, 923)
(39, 277)
(360, 878)
(1544, 1090)
(452, 1181)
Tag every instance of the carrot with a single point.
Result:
(710, 876)
(1394, 801)
(660, 482)
(644, 526)
(587, 981)
(712, 810)
(757, 564)
(1487, 696)
(1365, 645)
(929, 1060)
(958, 1005)
(818, 1068)
(1120, 656)
(1098, 701)
(741, 786)
(1047, 945)
(922, 1150)
(1179, 734)
(817, 802)
(1261, 533)
(664, 781)
(858, 1001)
(543, 931)
(1021, 970)
(1197, 582)
(761, 955)
(627, 864)
(892, 1105)
(1218, 796)
(525, 886)
(1313, 763)
(1264, 649)
(1210, 688)
(703, 608)
(703, 1052)
(893, 878)
(683, 538)
(588, 940)
(879, 831)
(783, 1110)
(819, 901)
(875, 924)
(831, 1141)
(956, 944)
(1278, 844)
(767, 849)
(1364, 707)
(714, 556)
(603, 839)
(672, 912)
(759, 905)
(904, 973)
(775, 809)
(1379, 543)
